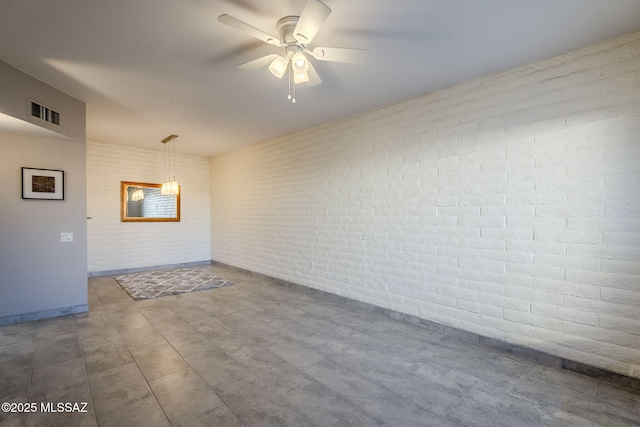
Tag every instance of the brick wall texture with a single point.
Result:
(114, 245)
(508, 206)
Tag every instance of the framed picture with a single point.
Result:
(43, 184)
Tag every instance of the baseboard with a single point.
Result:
(147, 268)
(44, 314)
(518, 350)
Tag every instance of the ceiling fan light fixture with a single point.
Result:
(278, 66)
(300, 77)
(300, 63)
(296, 32)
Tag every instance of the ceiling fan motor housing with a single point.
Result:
(286, 26)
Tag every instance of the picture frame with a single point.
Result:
(42, 184)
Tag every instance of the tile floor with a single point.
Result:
(261, 354)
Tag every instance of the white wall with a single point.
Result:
(39, 275)
(507, 206)
(114, 245)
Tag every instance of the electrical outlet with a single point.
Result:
(66, 237)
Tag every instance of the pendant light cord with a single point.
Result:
(164, 172)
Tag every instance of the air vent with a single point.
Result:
(44, 113)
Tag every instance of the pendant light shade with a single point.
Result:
(137, 195)
(175, 188)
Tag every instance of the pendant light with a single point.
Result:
(170, 187)
(137, 195)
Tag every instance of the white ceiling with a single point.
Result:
(150, 68)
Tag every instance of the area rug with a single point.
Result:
(153, 284)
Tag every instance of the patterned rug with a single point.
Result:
(153, 284)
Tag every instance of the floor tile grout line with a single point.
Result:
(188, 367)
(234, 380)
(86, 375)
(31, 369)
(244, 376)
(213, 388)
(138, 366)
(346, 397)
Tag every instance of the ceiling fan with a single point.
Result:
(295, 34)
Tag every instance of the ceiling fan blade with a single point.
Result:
(258, 63)
(340, 54)
(248, 29)
(311, 19)
(314, 78)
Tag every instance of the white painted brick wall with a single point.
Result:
(115, 245)
(508, 206)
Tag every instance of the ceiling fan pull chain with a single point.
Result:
(292, 98)
(289, 83)
(294, 93)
